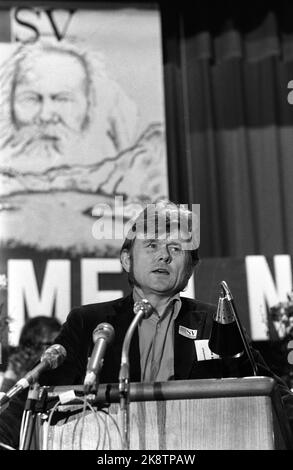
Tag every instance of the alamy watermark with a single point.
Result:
(161, 220)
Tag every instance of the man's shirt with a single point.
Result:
(156, 340)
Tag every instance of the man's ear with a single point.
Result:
(125, 260)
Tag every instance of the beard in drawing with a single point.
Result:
(45, 140)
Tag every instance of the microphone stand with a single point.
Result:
(124, 384)
(143, 309)
(29, 417)
(234, 312)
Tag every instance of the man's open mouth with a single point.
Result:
(161, 271)
(49, 137)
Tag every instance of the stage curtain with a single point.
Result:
(235, 156)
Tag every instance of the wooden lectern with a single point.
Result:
(245, 413)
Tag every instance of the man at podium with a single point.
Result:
(159, 255)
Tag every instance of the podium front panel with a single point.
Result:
(221, 423)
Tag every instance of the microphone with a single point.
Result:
(103, 335)
(52, 358)
(141, 309)
(227, 338)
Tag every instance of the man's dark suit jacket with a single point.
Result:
(76, 337)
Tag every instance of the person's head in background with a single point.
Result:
(39, 332)
(36, 336)
(160, 251)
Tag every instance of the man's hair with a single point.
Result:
(174, 216)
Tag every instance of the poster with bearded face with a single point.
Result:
(81, 123)
(82, 150)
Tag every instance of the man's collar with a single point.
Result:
(174, 300)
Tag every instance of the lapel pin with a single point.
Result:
(187, 332)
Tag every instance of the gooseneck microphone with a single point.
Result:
(141, 309)
(52, 358)
(227, 337)
(103, 335)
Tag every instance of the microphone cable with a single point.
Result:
(6, 446)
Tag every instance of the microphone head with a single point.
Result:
(55, 355)
(225, 339)
(224, 314)
(104, 331)
(143, 307)
(226, 290)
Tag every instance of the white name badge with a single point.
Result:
(203, 351)
(187, 332)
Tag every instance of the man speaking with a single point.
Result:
(159, 255)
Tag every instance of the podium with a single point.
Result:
(234, 413)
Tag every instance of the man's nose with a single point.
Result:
(164, 254)
(47, 111)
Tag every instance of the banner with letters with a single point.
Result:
(82, 126)
(53, 286)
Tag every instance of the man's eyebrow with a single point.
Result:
(175, 242)
(63, 93)
(149, 240)
(28, 91)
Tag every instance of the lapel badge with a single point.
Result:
(187, 332)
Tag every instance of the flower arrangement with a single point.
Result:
(282, 317)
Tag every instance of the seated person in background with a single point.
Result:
(36, 336)
(164, 345)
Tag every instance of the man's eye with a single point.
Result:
(152, 244)
(29, 98)
(175, 249)
(33, 99)
(62, 99)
